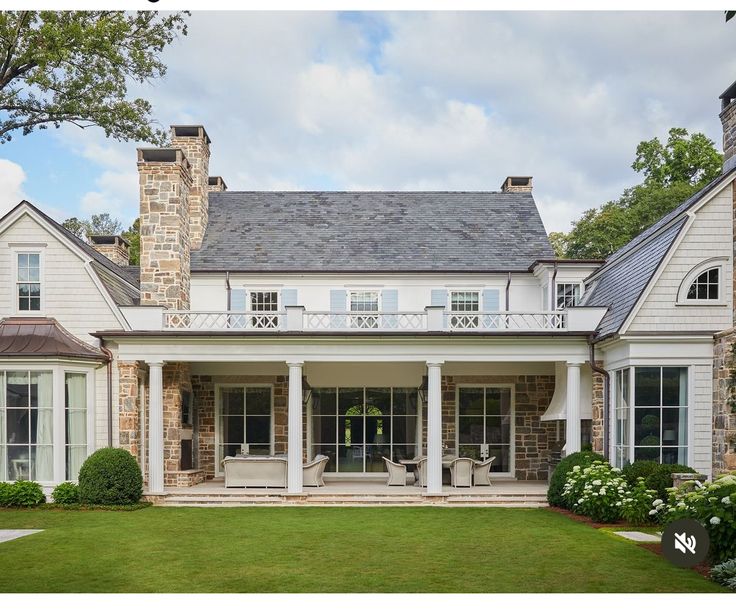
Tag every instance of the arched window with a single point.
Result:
(705, 286)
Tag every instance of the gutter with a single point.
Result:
(108, 353)
(229, 289)
(606, 395)
(553, 290)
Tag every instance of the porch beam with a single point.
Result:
(294, 433)
(155, 428)
(434, 428)
(572, 425)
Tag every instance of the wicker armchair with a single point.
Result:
(396, 473)
(421, 472)
(312, 471)
(461, 472)
(482, 472)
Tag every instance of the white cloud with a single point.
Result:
(12, 177)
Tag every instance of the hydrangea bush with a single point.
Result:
(596, 491)
(713, 504)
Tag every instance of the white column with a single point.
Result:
(155, 428)
(572, 426)
(434, 428)
(294, 435)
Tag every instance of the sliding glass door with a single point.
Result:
(244, 421)
(484, 425)
(356, 427)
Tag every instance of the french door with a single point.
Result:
(485, 419)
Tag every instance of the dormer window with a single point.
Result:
(705, 286)
(702, 285)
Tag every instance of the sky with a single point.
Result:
(406, 101)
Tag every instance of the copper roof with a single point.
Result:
(36, 337)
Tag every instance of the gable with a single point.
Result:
(70, 291)
(706, 237)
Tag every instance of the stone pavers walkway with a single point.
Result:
(8, 534)
(638, 536)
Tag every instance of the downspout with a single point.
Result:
(606, 394)
(553, 290)
(229, 291)
(108, 353)
(508, 284)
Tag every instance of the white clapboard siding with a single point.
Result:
(701, 415)
(708, 237)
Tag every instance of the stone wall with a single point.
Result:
(176, 378)
(728, 120)
(195, 144)
(724, 417)
(114, 248)
(533, 437)
(128, 407)
(598, 410)
(165, 180)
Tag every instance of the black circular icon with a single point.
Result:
(685, 542)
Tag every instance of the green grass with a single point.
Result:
(326, 550)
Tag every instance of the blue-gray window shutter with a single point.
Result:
(237, 303)
(490, 303)
(289, 297)
(439, 297)
(338, 299)
(390, 300)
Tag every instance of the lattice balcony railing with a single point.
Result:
(365, 320)
(223, 320)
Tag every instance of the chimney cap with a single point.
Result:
(517, 183)
(194, 130)
(217, 180)
(108, 239)
(728, 96)
(163, 154)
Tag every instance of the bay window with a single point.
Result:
(651, 414)
(75, 403)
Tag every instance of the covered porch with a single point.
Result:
(191, 404)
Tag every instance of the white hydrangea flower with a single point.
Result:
(715, 520)
(580, 500)
(726, 500)
(597, 482)
(657, 502)
(616, 470)
(652, 512)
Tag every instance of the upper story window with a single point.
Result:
(28, 282)
(567, 295)
(467, 301)
(264, 300)
(705, 286)
(362, 301)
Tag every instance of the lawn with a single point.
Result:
(326, 550)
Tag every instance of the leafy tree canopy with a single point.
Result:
(75, 66)
(105, 224)
(673, 172)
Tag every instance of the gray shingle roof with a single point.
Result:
(621, 284)
(371, 231)
(120, 292)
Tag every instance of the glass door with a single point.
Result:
(484, 420)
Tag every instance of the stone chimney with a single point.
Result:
(517, 184)
(728, 119)
(113, 247)
(195, 144)
(216, 184)
(165, 178)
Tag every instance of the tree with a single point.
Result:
(672, 173)
(133, 237)
(98, 224)
(74, 67)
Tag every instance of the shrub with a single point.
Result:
(6, 493)
(66, 493)
(725, 574)
(110, 476)
(639, 469)
(26, 494)
(597, 491)
(636, 503)
(712, 504)
(559, 477)
(661, 478)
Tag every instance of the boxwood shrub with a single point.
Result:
(66, 493)
(559, 477)
(26, 494)
(656, 476)
(110, 476)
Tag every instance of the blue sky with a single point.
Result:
(426, 100)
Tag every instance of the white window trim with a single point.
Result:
(58, 369)
(30, 248)
(512, 436)
(562, 282)
(693, 274)
(374, 290)
(478, 291)
(250, 291)
(218, 391)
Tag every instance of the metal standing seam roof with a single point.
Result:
(34, 337)
(371, 231)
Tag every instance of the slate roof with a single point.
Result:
(42, 337)
(121, 293)
(371, 231)
(115, 275)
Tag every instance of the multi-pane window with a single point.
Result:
(264, 301)
(568, 295)
(26, 426)
(463, 304)
(244, 414)
(705, 286)
(484, 425)
(28, 282)
(621, 410)
(75, 404)
(356, 427)
(364, 301)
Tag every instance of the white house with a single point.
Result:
(358, 326)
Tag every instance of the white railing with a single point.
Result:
(224, 320)
(506, 320)
(365, 320)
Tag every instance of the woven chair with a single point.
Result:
(461, 472)
(396, 473)
(312, 471)
(482, 472)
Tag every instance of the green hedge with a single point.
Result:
(110, 476)
(21, 494)
(656, 476)
(66, 493)
(557, 481)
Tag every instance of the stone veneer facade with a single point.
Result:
(598, 411)
(728, 120)
(195, 144)
(129, 407)
(724, 416)
(113, 247)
